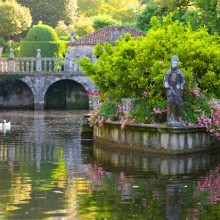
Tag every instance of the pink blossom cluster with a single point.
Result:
(96, 173)
(96, 119)
(211, 122)
(119, 110)
(159, 111)
(211, 184)
(125, 119)
(95, 93)
(196, 92)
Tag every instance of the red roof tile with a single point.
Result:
(107, 34)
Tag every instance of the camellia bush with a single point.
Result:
(135, 68)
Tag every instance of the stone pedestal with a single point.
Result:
(155, 138)
(175, 124)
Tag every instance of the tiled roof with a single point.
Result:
(107, 34)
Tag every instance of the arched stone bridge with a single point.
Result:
(40, 75)
(39, 83)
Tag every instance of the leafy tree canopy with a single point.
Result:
(14, 19)
(51, 11)
(133, 66)
(104, 20)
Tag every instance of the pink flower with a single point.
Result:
(196, 92)
(108, 120)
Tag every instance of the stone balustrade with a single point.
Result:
(37, 64)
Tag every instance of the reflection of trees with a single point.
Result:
(116, 196)
(42, 166)
(20, 192)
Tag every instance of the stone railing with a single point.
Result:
(37, 64)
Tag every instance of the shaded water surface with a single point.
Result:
(48, 172)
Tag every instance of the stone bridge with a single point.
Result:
(42, 80)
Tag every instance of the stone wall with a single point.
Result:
(155, 138)
(76, 52)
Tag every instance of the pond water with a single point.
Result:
(48, 172)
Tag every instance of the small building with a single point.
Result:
(85, 45)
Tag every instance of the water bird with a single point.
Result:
(6, 124)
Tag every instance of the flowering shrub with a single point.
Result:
(211, 121)
(94, 93)
(105, 112)
(197, 111)
(194, 105)
(149, 113)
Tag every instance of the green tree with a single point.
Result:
(14, 19)
(90, 8)
(64, 30)
(104, 20)
(143, 19)
(133, 66)
(51, 11)
(122, 10)
(208, 14)
(83, 26)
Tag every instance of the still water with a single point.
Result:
(48, 172)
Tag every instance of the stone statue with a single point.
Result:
(72, 36)
(174, 82)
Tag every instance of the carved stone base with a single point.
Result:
(175, 124)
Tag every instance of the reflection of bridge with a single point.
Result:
(39, 74)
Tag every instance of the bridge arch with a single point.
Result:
(40, 83)
(66, 94)
(16, 95)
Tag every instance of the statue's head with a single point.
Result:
(174, 62)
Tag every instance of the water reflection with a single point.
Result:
(48, 172)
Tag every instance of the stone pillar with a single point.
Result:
(38, 61)
(11, 67)
(39, 105)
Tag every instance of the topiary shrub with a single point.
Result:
(41, 32)
(42, 37)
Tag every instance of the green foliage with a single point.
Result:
(83, 26)
(64, 30)
(143, 19)
(5, 78)
(3, 43)
(41, 32)
(90, 8)
(133, 66)
(45, 38)
(145, 111)
(64, 38)
(103, 21)
(211, 84)
(8, 83)
(194, 106)
(14, 19)
(207, 14)
(108, 110)
(51, 11)
(48, 49)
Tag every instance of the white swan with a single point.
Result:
(6, 124)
